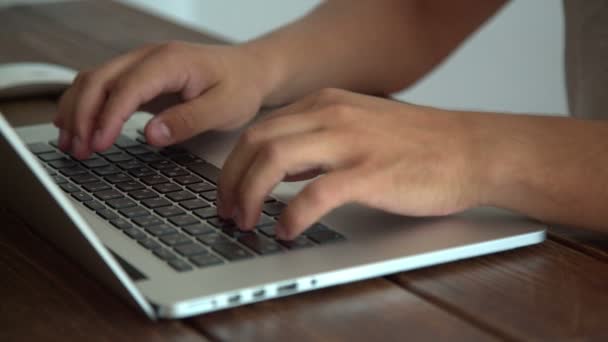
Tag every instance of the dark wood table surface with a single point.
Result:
(554, 291)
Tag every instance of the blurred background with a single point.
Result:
(513, 64)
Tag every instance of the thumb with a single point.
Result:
(188, 119)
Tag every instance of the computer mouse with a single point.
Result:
(25, 79)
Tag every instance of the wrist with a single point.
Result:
(271, 70)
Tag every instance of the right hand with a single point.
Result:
(222, 88)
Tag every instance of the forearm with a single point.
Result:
(367, 46)
(550, 168)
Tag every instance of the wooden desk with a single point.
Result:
(554, 291)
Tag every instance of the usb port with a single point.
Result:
(284, 289)
(259, 293)
(234, 299)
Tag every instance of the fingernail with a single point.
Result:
(160, 132)
(97, 139)
(64, 140)
(280, 232)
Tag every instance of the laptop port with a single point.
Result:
(287, 288)
(258, 293)
(234, 299)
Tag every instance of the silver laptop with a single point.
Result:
(143, 221)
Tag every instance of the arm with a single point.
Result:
(367, 46)
(373, 46)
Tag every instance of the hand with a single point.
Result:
(401, 158)
(221, 87)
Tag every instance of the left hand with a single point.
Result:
(402, 158)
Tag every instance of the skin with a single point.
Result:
(402, 158)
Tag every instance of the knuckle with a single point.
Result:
(271, 153)
(328, 95)
(341, 113)
(251, 136)
(318, 195)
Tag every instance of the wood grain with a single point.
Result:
(47, 297)
(546, 292)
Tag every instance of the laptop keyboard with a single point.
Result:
(165, 199)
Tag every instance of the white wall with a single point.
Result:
(513, 64)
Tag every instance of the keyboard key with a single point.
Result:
(155, 202)
(118, 178)
(231, 251)
(96, 186)
(40, 147)
(118, 157)
(112, 150)
(59, 180)
(49, 156)
(167, 187)
(107, 170)
(95, 162)
(173, 151)
(268, 231)
(154, 179)
(194, 204)
(107, 214)
(234, 231)
(221, 223)
(325, 236)
(73, 171)
(198, 229)
(297, 243)
(130, 164)
(81, 196)
(94, 205)
(190, 249)
(205, 260)
(179, 265)
(150, 244)
(273, 208)
(125, 142)
(187, 159)
(183, 220)
(84, 178)
(162, 164)
(212, 239)
(259, 244)
(149, 158)
(175, 239)
(135, 233)
(107, 195)
(138, 149)
(169, 211)
(147, 221)
(265, 220)
(188, 179)
(121, 223)
(130, 186)
(165, 254)
(206, 213)
(200, 187)
(143, 194)
(62, 163)
(174, 172)
(179, 196)
(210, 195)
(161, 229)
(140, 172)
(69, 188)
(121, 203)
(207, 171)
(136, 211)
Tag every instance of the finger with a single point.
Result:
(91, 92)
(303, 105)
(285, 156)
(65, 137)
(156, 74)
(317, 199)
(186, 120)
(243, 153)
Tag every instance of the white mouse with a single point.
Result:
(32, 79)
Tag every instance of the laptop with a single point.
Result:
(142, 220)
